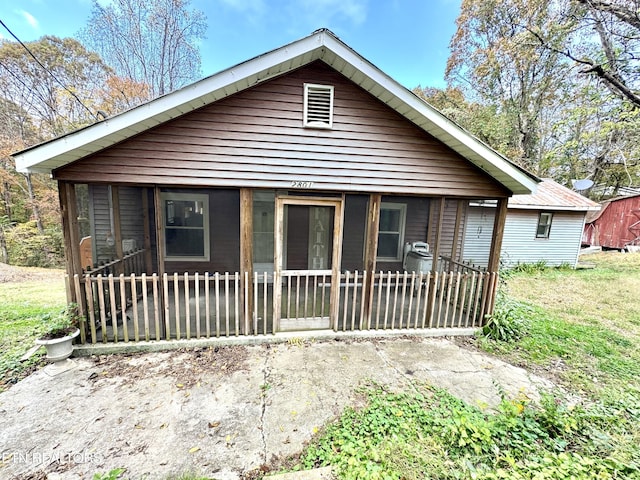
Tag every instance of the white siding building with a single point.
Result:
(544, 226)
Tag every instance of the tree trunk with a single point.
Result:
(6, 197)
(4, 254)
(34, 204)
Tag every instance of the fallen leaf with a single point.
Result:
(214, 424)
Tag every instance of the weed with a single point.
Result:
(110, 475)
(434, 435)
(509, 320)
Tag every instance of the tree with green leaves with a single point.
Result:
(152, 42)
(55, 90)
(496, 61)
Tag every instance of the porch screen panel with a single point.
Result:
(263, 227)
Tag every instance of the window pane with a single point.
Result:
(388, 245)
(184, 213)
(544, 225)
(184, 242)
(390, 220)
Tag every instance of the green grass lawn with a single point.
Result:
(578, 327)
(22, 305)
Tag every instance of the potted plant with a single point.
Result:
(58, 337)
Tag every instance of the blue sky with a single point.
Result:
(407, 39)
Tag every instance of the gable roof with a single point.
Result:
(592, 217)
(551, 195)
(321, 45)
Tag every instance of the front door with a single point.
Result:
(308, 245)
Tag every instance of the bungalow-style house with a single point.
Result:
(545, 226)
(616, 225)
(280, 194)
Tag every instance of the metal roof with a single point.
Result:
(321, 45)
(553, 196)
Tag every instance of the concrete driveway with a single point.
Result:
(219, 411)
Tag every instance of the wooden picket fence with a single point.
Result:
(132, 308)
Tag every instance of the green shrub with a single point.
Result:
(29, 248)
(509, 320)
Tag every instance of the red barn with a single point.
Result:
(616, 225)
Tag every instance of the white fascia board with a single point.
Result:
(554, 208)
(438, 125)
(75, 145)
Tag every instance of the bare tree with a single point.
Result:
(605, 43)
(152, 42)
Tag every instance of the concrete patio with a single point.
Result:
(220, 411)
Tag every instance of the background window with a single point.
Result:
(186, 222)
(391, 231)
(544, 225)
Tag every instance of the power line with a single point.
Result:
(46, 69)
(43, 100)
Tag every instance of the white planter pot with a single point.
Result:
(59, 349)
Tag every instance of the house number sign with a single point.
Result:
(299, 184)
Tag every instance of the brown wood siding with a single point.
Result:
(224, 236)
(255, 139)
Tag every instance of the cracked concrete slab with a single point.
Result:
(221, 423)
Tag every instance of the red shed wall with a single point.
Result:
(614, 228)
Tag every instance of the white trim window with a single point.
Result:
(318, 105)
(186, 226)
(393, 217)
(544, 225)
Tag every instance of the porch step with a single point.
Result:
(324, 473)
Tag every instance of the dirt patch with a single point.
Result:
(12, 273)
(187, 366)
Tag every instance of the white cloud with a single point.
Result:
(31, 20)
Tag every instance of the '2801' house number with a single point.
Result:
(299, 184)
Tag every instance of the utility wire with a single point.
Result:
(43, 100)
(45, 68)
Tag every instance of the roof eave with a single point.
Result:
(555, 208)
(93, 138)
(320, 45)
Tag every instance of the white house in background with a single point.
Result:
(544, 226)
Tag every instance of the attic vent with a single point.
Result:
(318, 105)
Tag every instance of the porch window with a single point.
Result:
(391, 231)
(544, 225)
(186, 226)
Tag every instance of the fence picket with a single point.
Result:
(187, 307)
(114, 312)
(103, 313)
(399, 300)
(134, 305)
(196, 291)
(207, 305)
(145, 305)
